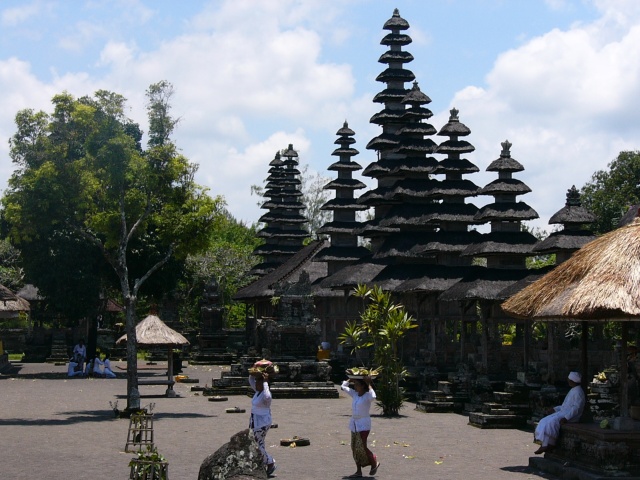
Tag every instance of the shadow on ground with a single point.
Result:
(527, 470)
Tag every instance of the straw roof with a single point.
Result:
(600, 281)
(153, 331)
(10, 302)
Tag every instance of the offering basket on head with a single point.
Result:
(360, 373)
(263, 366)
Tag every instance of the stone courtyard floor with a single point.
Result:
(63, 428)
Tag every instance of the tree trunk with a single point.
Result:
(133, 395)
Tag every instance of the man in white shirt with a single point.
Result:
(548, 428)
(80, 352)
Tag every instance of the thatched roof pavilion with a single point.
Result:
(600, 282)
(11, 304)
(154, 332)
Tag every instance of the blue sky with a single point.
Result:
(560, 79)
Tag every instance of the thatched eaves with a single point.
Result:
(390, 95)
(289, 270)
(429, 215)
(341, 254)
(10, 302)
(483, 284)
(454, 128)
(510, 211)
(343, 204)
(505, 185)
(153, 331)
(351, 276)
(455, 165)
(502, 243)
(338, 227)
(565, 240)
(600, 281)
(573, 212)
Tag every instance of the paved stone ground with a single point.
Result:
(59, 428)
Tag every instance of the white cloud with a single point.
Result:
(11, 17)
(116, 54)
(567, 100)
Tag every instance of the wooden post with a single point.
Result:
(584, 358)
(551, 353)
(624, 374)
(526, 346)
(170, 391)
(485, 339)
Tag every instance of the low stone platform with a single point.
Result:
(296, 379)
(597, 452)
(569, 471)
(278, 389)
(501, 420)
(428, 406)
(212, 359)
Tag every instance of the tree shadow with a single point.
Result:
(527, 470)
(89, 416)
(71, 418)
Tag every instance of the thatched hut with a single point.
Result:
(11, 304)
(600, 282)
(154, 332)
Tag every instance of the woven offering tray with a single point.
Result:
(361, 373)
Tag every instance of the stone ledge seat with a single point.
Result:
(606, 453)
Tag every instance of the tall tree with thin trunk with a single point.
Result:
(81, 170)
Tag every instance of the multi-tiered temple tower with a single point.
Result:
(344, 249)
(283, 232)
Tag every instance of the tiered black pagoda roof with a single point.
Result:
(574, 218)
(283, 232)
(344, 248)
(506, 246)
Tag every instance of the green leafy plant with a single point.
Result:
(382, 326)
(149, 465)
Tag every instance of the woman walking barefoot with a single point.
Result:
(362, 395)
(260, 421)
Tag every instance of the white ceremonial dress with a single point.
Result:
(548, 427)
(97, 366)
(107, 369)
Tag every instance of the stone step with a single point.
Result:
(483, 420)
(438, 407)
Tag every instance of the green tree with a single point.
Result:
(382, 326)
(81, 171)
(228, 259)
(611, 192)
(314, 196)
(11, 272)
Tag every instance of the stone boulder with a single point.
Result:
(239, 459)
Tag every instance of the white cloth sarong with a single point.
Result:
(548, 428)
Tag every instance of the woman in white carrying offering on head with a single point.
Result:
(362, 395)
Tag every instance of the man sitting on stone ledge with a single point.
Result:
(548, 428)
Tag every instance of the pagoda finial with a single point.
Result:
(573, 197)
(345, 124)
(396, 12)
(506, 148)
(454, 115)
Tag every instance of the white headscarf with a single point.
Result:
(575, 377)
